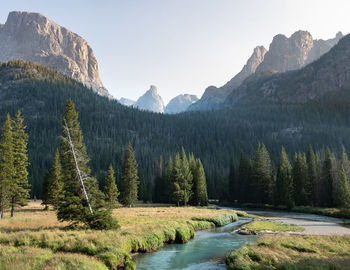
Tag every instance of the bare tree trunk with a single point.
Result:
(77, 167)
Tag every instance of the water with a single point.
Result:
(205, 252)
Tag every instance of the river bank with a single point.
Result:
(142, 230)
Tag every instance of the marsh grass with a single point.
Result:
(142, 230)
(293, 252)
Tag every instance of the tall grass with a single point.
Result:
(142, 230)
(293, 252)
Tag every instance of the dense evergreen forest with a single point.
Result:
(215, 137)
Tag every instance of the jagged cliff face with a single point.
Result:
(150, 101)
(326, 78)
(33, 37)
(180, 103)
(295, 52)
(287, 53)
(284, 54)
(213, 97)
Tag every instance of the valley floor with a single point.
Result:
(34, 239)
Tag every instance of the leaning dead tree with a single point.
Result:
(80, 175)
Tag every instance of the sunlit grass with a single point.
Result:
(293, 252)
(142, 230)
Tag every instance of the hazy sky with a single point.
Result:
(182, 46)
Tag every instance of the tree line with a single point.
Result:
(312, 179)
(182, 181)
(14, 186)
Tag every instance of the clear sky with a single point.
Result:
(182, 46)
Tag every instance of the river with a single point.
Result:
(206, 251)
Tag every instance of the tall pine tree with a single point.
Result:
(130, 179)
(262, 175)
(312, 184)
(200, 195)
(300, 178)
(343, 192)
(81, 200)
(283, 189)
(55, 182)
(327, 179)
(7, 168)
(111, 189)
(20, 186)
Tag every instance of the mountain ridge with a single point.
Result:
(33, 37)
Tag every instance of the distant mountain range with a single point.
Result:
(151, 101)
(284, 54)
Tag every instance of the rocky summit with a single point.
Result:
(180, 103)
(33, 37)
(213, 97)
(150, 101)
(284, 54)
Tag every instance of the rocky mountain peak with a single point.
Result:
(33, 37)
(150, 101)
(287, 53)
(180, 103)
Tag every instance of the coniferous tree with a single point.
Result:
(187, 180)
(283, 189)
(81, 200)
(312, 184)
(20, 186)
(176, 180)
(130, 179)
(200, 195)
(327, 180)
(300, 178)
(7, 169)
(343, 192)
(111, 189)
(167, 178)
(262, 175)
(55, 182)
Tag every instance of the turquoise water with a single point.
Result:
(206, 251)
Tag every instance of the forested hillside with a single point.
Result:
(214, 137)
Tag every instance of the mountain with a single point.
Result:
(214, 136)
(180, 103)
(150, 101)
(327, 78)
(292, 53)
(33, 37)
(213, 97)
(126, 102)
(284, 54)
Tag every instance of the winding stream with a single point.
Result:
(206, 251)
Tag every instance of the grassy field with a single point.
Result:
(293, 252)
(36, 237)
(273, 226)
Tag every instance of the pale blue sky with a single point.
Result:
(182, 46)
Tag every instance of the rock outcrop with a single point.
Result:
(213, 97)
(285, 54)
(33, 37)
(180, 103)
(127, 102)
(150, 101)
(327, 79)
